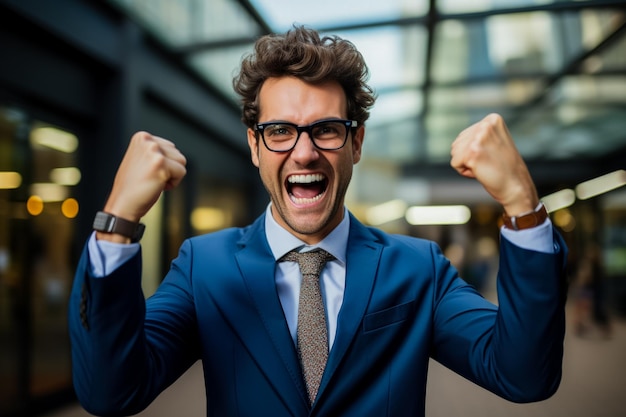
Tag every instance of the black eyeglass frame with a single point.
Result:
(349, 124)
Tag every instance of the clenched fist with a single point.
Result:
(486, 151)
(150, 166)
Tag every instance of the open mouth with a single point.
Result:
(306, 189)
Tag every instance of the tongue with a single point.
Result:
(306, 190)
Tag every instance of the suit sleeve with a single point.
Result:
(514, 350)
(126, 350)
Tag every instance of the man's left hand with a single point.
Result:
(486, 151)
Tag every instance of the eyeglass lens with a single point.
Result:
(326, 135)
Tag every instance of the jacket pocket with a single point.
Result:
(388, 316)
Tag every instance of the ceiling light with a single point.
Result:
(601, 185)
(54, 138)
(560, 199)
(34, 205)
(208, 218)
(10, 180)
(69, 208)
(386, 212)
(565, 220)
(49, 192)
(431, 215)
(65, 176)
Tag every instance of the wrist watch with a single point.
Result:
(525, 220)
(108, 223)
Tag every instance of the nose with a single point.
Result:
(305, 151)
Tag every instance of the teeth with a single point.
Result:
(305, 179)
(305, 200)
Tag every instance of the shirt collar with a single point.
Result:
(281, 241)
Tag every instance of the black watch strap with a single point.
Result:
(108, 223)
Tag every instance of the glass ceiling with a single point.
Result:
(556, 70)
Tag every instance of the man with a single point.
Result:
(391, 302)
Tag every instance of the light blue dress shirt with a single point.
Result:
(288, 277)
(107, 256)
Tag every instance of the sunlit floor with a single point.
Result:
(594, 385)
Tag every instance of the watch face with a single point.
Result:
(108, 223)
(103, 221)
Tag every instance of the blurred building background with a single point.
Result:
(78, 78)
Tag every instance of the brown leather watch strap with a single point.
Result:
(526, 220)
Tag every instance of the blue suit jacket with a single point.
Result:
(403, 303)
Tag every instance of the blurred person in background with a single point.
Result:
(232, 298)
(590, 310)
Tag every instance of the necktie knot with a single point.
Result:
(311, 263)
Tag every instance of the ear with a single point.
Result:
(357, 144)
(253, 143)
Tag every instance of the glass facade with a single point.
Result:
(38, 205)
(435, 72)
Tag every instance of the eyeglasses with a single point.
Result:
(327, 135)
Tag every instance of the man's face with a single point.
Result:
(307, 185)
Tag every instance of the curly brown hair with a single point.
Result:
(303, 54)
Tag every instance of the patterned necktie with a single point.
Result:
(312, 331)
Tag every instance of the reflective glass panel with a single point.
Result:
(487, 96)
(506, 45)
(396, 106)
(442, 129)
(182, 22)
(397, 141)
(219, 66)
(395, 58)
(38, 175)
(582, 116)
(464, 6)
(597, 25)
(394, 55)
(282, 14)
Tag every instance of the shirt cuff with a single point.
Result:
(537, 238)
(105, 257)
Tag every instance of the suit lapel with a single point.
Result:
(265, 333)
(363, 256)
(264, 329)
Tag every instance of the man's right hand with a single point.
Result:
(150, 166)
